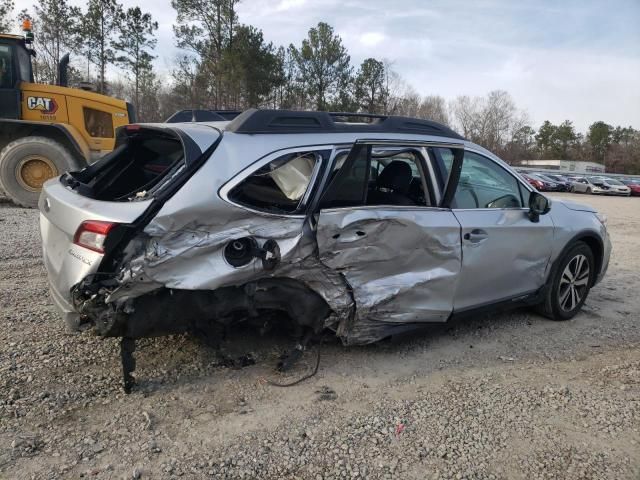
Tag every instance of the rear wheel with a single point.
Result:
(570, 284)
(26, 163)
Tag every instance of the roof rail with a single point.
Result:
(255, 121)
(202, 115)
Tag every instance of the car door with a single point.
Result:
(399, 252)
(504, 254)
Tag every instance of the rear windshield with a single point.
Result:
(133, 170)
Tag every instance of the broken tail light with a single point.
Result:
(92, 234)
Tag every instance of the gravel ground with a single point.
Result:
(505, 396)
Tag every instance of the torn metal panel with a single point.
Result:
(191, 257)
(402, 264)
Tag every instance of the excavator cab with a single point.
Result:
(15, 67)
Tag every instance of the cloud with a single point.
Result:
(572, 59)
(289, 4)
(371, 39)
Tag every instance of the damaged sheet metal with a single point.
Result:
(398, 266)
(191, 257)
(402, 265)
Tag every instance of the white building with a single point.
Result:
(564, 165)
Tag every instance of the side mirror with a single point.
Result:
(538, 205)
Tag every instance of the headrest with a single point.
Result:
(396, 176)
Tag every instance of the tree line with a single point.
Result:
(225, 64)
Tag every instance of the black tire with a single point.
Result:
(55, 157)
(557, 304)
(589, 191)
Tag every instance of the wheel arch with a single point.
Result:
(64, 134)
(592, 240)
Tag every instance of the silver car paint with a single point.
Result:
(402, 263)
(408, 271)
(483, 278)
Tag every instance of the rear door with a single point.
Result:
(398, 250)
(504, 253)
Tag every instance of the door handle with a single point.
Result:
(476, 235)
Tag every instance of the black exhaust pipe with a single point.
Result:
(63, 76)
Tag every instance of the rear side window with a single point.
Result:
(98, 123)
(280, 185)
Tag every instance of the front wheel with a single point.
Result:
(26, 163)
(570, 285)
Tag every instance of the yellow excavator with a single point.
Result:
(46, 130)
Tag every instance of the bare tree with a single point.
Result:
(489, 121)
(434, 107)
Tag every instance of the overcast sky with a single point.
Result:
(577, 60)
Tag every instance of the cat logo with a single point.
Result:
(46, 106)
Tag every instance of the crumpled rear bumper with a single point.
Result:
(68, 314)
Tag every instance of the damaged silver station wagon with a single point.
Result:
(363, 225)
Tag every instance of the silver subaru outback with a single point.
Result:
(363, 225)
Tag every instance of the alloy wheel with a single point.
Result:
(574, 283)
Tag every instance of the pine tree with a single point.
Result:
(324, 66)
(99, 25)
(136, 30)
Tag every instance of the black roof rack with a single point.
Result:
(203, 115)
(255, 121)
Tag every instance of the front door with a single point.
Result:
(504, 254)
(379, 227)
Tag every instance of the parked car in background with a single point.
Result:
(634, 186)
(581, 185)
(610, 186)
(588, 185)
(561, 179)
(560, 185)
(537, 184)
(548, 185)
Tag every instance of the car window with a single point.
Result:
(378, 175)
(6, 67)
(24, 65)
(98, 123)
(483, 183)
(280, 185)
